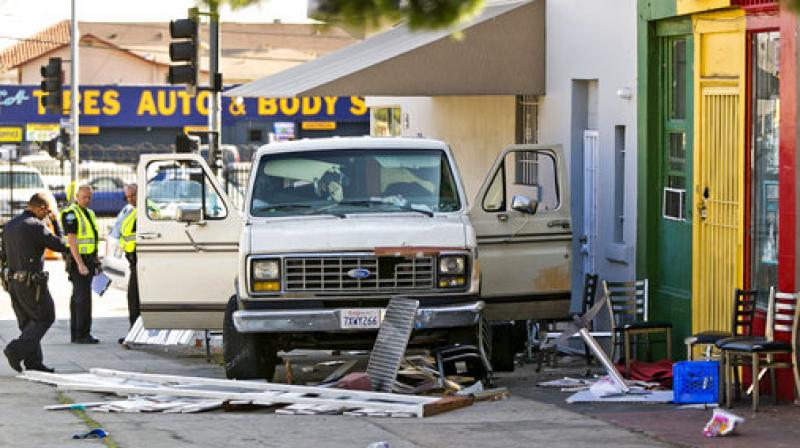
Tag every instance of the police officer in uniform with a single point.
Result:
(127, 242)
(24, 240)
(80, 227)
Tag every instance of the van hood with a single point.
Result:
(356, 233)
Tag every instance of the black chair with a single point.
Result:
(744, 308)
(783, 313)
(628, 311)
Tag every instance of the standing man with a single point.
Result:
(125, 231)
(80, 227)
(24, 240)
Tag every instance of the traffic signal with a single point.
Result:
(185, 50)
(52, 81)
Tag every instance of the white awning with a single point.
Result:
(500, 52)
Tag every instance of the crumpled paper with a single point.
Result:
(722, 423)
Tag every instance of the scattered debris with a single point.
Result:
(391, 342)
(340, 371)
(143, 336)
(97, 433)
(656, 396)
(172, 393)
(566, 382)
(722, 423)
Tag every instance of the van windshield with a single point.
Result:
(354, 181)
(21, 180)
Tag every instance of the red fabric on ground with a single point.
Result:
(655, 372)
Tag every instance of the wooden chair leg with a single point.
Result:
(773, 386)
(796, 373)
(669, 344)
(755, 368)
(627, 341)
(688, 352)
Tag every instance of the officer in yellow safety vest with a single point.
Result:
(127, 242)
(80, 226)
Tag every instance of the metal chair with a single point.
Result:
(744, 308)
(783, 314)
(628, 312)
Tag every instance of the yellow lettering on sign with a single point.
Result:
(110, 102)
(146, 104)
(319, 125)
(90, 102)
(287, 109)
(311, 106)
(330, 104)
(237, 108)
(267, 106)
(357, 105)
(39, 106)
(192, 128)
(164, 107)
(66, 101)
(89, 130)
(201, 102)
(186, 102)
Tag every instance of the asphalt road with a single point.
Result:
(521, 421)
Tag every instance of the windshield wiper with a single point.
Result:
(371, 202)
(267, 208)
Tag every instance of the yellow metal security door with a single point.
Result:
(717, 251)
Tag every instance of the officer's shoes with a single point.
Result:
(86, 340)
(39, 367)
(14, 360)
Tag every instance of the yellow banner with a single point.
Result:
(10, 134)
(188, 129)
(319, 125)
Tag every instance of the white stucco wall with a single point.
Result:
(595, 40)
(475, 127)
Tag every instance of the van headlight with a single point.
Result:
(266, 275)
(452, 264)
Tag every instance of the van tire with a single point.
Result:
(504, 347)
(245, 356)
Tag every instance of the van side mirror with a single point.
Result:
(524, 204)
(189, 214)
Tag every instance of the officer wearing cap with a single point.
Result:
(80, 226)
(24, 240)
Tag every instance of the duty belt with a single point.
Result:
(26, 276)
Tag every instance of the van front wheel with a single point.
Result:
(245, 356)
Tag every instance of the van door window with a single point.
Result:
(173, 184)
(528, 173)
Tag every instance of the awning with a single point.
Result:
(500, 52)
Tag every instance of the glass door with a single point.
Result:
(765, 104)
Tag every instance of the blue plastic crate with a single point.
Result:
(696, 382)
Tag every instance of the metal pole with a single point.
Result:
(74, 111)
(215, 98)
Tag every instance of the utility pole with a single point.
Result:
(74, 111)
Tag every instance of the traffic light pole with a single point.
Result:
(74, 111)
(215, 97)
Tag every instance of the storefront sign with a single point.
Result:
(167, 106)
(89, 130)
(10, 134)
(41, 132)
(319, 125)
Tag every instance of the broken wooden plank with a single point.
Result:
(447, 404)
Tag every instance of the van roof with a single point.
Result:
(332, 143)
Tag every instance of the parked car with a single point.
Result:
(54, 172)
(108, 182)
(17, 185)
(332, 229)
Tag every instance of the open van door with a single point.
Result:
(187, 241)
(522, 222)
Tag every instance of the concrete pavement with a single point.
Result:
(517, 422)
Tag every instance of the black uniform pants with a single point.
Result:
(133, 289)
(35, 314)
(80, 304)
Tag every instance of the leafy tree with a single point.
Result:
(418, 13)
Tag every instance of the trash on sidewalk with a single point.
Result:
(97, 433)
(172, 393)
(143, 336)
(722, 423)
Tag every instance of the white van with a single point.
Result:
(334, 228)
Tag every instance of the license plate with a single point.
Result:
(362, 318)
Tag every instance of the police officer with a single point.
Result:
(80, 227)
(24, 241)
(127, 242)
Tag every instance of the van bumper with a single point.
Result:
(313, 320)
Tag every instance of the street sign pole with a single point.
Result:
(74, 111)
(215, 97)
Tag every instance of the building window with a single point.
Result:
(675, 143)
(619, 183)
(527, 119)
(254, 135)
(386, 122)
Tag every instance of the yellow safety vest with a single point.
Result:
(87, 244)
(127, 235)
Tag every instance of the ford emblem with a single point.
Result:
(358, 273)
